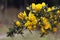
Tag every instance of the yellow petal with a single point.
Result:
(38, 7)
(20, 15)
(58, 12)
(34, 22)
(47, 26)
(53, 7)
(28, 23)
(29, 27)
(49, 9)
(31, 16)
(55, 22)
(43, 4)
(24, 15)
(44, 20)
(34, 27)
(33, 6)
(43, 31)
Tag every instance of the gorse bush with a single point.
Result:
(47, 19)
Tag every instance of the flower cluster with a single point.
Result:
(47, 19)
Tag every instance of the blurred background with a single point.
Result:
(10, 8)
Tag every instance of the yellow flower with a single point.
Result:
(33, 6)
(54, 29)
(55, 22)
(44, 20)
(49, 9)
(18, 24)
(42, 30)
(34, 27)
(46, 23)
(20, 15)
(34, 22)
(29, 27)
(31, 16)
(24, 15)
(53, 7)
(43, 4)
(58, 12)
(47, 26)
(28, 23)
(38, 7)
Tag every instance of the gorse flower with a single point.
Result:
(38, 7)
(55, 22)
(34, 27)
(28, 23)
(47, 26)
(42, 30)
(31, 16)
(33, 6)
(46, 23)
(53, 7)
(43, 4)
(49, 9)
(58, 12)
(44, 19)
(18, 24)
(54, 29)
(34, 22)
(29, 28)
(22, 15)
